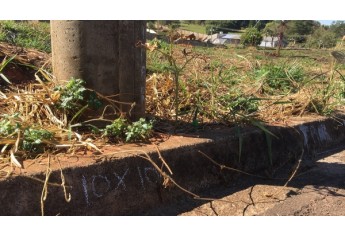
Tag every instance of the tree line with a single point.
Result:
(309, 33)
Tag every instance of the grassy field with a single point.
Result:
(237, 85)
(30, 34)
(194, 28)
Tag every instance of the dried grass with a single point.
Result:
(33, 105)
(220, 73)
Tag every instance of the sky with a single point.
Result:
(326, 22)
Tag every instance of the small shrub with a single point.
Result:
(73, 96)
(116, 129)
(33, 139)
(139, 130)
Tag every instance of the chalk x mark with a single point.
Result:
(121, 180)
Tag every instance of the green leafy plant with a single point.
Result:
(33, 140)
(139, 130)
(8, 126)
(71, 94)
(75, 98)
(120, 129)
(116, 129)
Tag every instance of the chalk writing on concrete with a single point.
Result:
(121, 180)
(151, 170)
(84, 183)
(94, 177)
(141, 178)
(101, 184)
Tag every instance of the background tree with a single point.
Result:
(213, 26)
(302, 27)
(338, 28)
(298, 30)
(172, 24)
(251, 37)
(271, 29)
(322, 38)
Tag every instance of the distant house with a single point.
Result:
(220, 39)
(232, 38)
(271, 42)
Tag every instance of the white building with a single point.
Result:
(271, 42)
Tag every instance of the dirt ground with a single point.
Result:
(318, 189)
(27, 61)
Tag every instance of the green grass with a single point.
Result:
(26, 34)
(194, 28)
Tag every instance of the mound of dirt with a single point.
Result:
(25, 63)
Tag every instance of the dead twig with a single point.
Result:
(163, 161)
(68, 199)
(229, 168)
(45, 186)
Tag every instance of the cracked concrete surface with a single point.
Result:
(316, 190)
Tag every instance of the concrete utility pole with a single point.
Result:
(103, 53)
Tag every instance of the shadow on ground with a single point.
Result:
(312, 176)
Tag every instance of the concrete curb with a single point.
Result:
(125, 184)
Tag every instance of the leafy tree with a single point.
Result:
(298, 30)
(271, 29)
(261, 24)
(322, 38)
(251, 37)
(302, 27)
(338, 27)
(233, 25)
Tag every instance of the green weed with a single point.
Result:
(116, 129)
(139, 130)
(121, 129)
(8, 125)
(33, 140)
(281, 78)
(73, 96)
